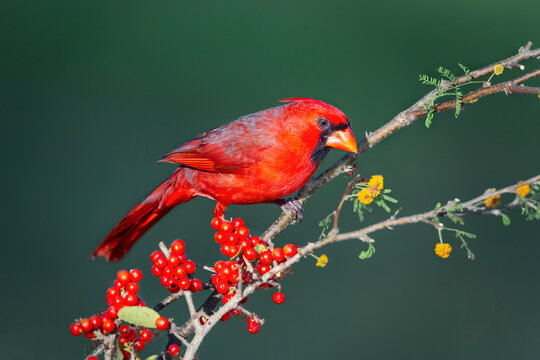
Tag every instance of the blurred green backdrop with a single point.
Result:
(92, 93)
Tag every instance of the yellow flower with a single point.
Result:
(498, 69)
(322, 261)
(375, 185)
(443, 250)
(493, 201)
(523, 190)
(364, 197)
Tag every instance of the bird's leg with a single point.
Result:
(219, 210)
(291, 205)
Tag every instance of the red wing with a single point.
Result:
(191, 159)
(229, 149)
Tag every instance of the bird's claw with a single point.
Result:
(293, 206)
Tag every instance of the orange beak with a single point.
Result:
(343, 140)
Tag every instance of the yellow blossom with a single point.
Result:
(375, 185)
(443, 250)
(322, 260)
(364, 197)
(493, 201)
(498, 69)
(523, 190)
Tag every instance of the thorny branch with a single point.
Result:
(179, 334)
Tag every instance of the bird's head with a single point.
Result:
(326, 126)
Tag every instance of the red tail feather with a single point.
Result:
(140, 219)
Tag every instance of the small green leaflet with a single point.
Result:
(139, 315)
(153, 357)
(366, 254)
(505, 219)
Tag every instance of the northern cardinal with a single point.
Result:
(258, 158)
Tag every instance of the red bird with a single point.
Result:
(258, 158)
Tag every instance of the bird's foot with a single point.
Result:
(293, 206)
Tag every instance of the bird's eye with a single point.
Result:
(323, 123)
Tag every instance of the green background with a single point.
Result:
(92, 93)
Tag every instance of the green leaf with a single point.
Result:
(429, 116)
(389, 198)
(366, 254)
(139, 315)
(152, 357)
(382, 204)
(437, 206)
(505, 219)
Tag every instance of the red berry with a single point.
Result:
(243, 301)
(169, 271)
(173, 287)
(75, 329)
(124, 330)
(216, 223)
(117, 301)
(138, 344)
(123, 276)
(218, 266)
(92, 358)
(236, 223)
(278, 297)
(118, 284)
(178, 247)
(278, 254)
(123, 341)
(215, 279)
(242, 232)
(173, 349)
(173, 260)
(86, 325)
(96, 322)
(244, 243)
(180, 272)
(255, 240)
(132, 287)
(235, 312)
(136, 275)
(131, 299)
(89, 335)
(190, 267)
(220, 237)
(226, 227)
(162, 323)
(196, 285)
(164, 280)
(156, 255)
(146, 335)
(289, 250)
(263, 268)
(161, 262)
(183, 258)
(156, 271)
(184, 283)
(250, 254)
(253, 326)
(228, 297)
(203, 319)
(265, 257)
(222, 287)
(112, 313)
(113, 292)
(231, 239)
(226, 316)
(108, 325)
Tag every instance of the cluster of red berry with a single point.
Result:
(123, 293)
(175, 272)
(236, 243)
